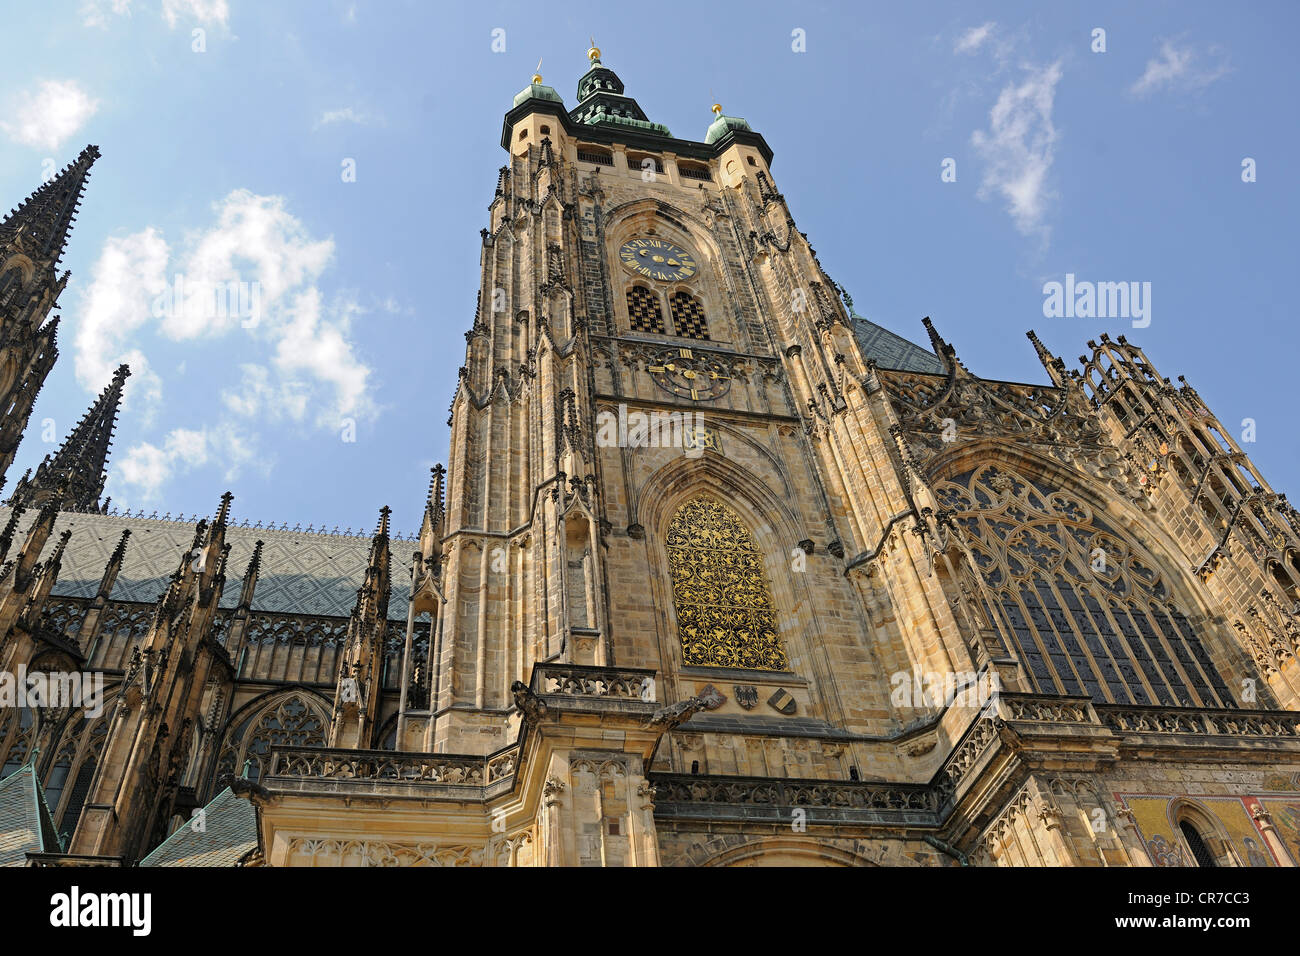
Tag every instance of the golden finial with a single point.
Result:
(717, 109)
(594, 53)
(537, 76)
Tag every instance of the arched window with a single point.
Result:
(77, 800)
(1088, 610)
(1196, 843)
(19, 733)
(688, 316)
(643, 310)
(725, 615)
(288, 721)
(90, 748)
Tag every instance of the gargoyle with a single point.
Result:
(527, 703)
(666, 718)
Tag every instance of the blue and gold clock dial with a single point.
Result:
(658, 259)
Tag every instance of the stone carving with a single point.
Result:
(527, 703)
(782, 702)
(712, 697)
(666, 718)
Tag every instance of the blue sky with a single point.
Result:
(226, 162)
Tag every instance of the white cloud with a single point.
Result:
(311, 372)
(348, 115)
(254, 241)
(145, 469)
(974, 38)
(257, 396)
(1176, 68)
(201, 11)
(1019, 147)
(50, 115)
(95, 13)
(259, 246)
(129, 273)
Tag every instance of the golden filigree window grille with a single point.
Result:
(689, 320)
(725, 614)
(1088, 609)
(643, 311)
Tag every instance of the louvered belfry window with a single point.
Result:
(688, 316)
(644, 311)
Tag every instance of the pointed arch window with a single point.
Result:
(1196, 843)
(643, 310)
(688, 316)
(1087, 609)
(288, 721)
(19, 733)
(725, 614)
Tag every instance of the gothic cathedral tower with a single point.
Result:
(717, 572)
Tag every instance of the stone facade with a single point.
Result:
(717, 573)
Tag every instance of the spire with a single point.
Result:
(941, 348)
(74, 475)
(1055, 367)
(372, 598)
(601, 101)
(45, 218)
(250, 576)
(113, 566)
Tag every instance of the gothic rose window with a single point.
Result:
(688, 316)
(1088, 610)
(643, 310)
(725, 615)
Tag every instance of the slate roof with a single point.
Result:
(893, 351)
(301, 573)
(229, 833)
(25, 823)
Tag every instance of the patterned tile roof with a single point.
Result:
(25, 823)
(229, 833)
(893, 351)
(303, 573)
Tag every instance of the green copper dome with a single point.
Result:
(539, 92)
(723, 125)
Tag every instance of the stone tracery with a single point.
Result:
(1088, 610)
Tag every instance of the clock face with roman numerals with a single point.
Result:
(658, 259)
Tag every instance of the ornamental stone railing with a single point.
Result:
(781, 800)
(1198, 721)
(392, 773)
(1056, 710)
(576, 687)
(576, 680)
(763, 799)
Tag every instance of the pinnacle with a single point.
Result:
(46, 216)
(74, 475)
